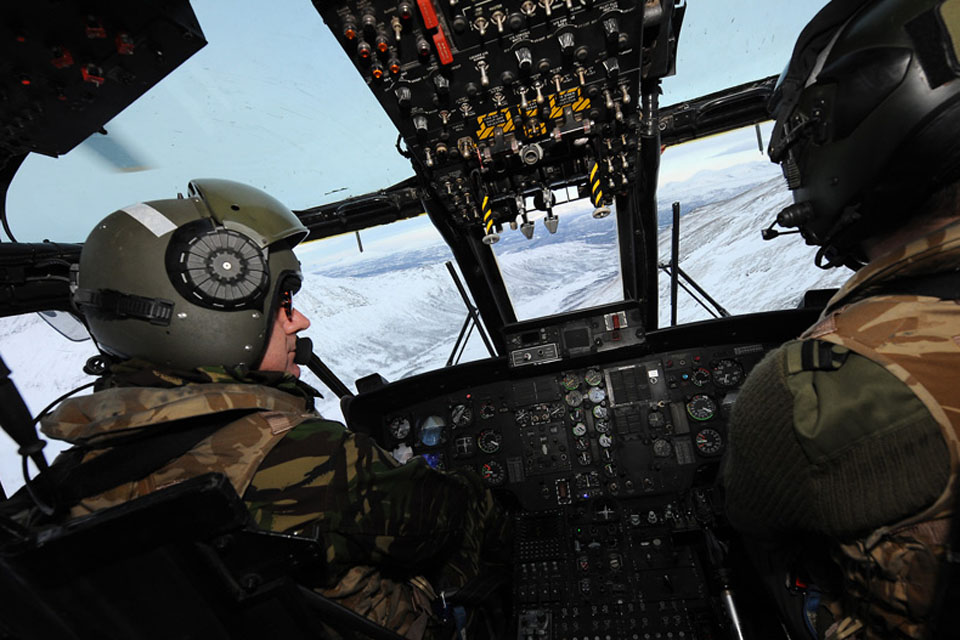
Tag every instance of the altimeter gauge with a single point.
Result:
(727, 373)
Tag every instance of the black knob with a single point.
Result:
(471, 89)
(369, 23)
(460, 24)
(441, 84)
(515, 21)
(508, 78)
(611, 28)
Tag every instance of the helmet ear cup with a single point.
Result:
(217, 268)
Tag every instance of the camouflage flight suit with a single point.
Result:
(851, 433)
(385, 526)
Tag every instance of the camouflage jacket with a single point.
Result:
(383, 524)
(861, 418)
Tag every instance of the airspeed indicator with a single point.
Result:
(701, 407)
(492, 473)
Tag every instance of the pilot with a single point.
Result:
(190, 301)
(844, 443)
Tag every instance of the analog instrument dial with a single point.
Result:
(606, 440)
(487, 410)
(593, 377)
(701, 407)
(600, 412)
(570, 381)
(579, 429)
(461, 415)
(573, 398)
(489, 441)
(602, 426)
(399, 427)
(662, 448)
(597, 395)
(492, 473)
(701, 376)
(432, 430)
(709, 442)
(727, 373)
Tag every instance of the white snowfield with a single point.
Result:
(394, 309)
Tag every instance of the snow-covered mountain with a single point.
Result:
(394, 310)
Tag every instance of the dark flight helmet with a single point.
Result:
(192, 281)
(868, 120)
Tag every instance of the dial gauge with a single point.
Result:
(662, 448)
(582, 444)
(600, 412)
(727, 373)
(701, 407)
(399, 428)
(576, 415)
(570, 381)
(522, 417)
(492, 473)
(573, 398)
(461, 415)
(579, 429)
(709, 442)
(431, 430)
(487, 410)
(655, 419)
(606, 440)
(701, 376)
(489, 441)
(602, 426)
(593, 377)
(465, 447)
(597, 395)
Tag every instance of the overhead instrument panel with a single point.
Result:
(68, 68)
(503, 103)
(612, 463)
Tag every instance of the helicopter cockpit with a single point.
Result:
(601, 429)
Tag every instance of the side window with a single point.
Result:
(728, 191)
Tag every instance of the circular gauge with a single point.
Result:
(584, 458)
(570, 381)
(579, 429)
(600, 412)
(656, 420)
(701, 376)
(431, 430)
(662, 448)
(576, 415)
(602, 426)
(593, 377)
(399, 428)
(604, 510)
(582, 444)
(709, 442)
(606, 441)
(597, 395)
(557, 410)
(701, 407)
(522, 417)
(573, 398)
(727, 373)
(461, 415)
(492, 473)
(489, 441)
(487, 410)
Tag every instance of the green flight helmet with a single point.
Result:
(867, 120)
(190, 282)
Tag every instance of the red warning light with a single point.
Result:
(394, 67)
(377, 72)
(92, 74)
(25, 81)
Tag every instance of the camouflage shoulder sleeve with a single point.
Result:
(825, 440)
(366, 507)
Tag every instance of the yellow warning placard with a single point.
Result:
(504, 119)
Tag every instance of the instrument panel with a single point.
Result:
(613, 468)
